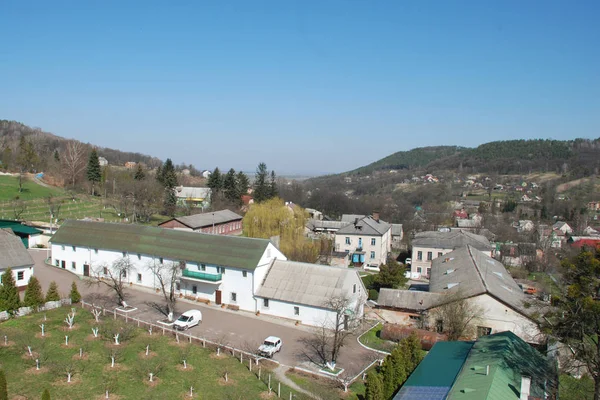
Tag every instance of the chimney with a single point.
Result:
(355, 221)
(376, 216)
(525, 387)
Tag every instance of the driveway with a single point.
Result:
(239, 329)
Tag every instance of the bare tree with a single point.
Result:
(19, 207)
(54, 206)
(113, 276)
(167, 275)
(455, 316)
(323, 347)
(74, 160)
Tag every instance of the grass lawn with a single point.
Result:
(129, 379)
(571, 388)
(324, 388)
(9, 189)
(372, 339)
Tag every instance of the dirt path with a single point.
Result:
(281, 376)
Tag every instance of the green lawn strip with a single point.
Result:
(372, 339)
(130, 379)
(9, 189)
(323, 388)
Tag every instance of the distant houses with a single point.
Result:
(193, 196)
(223, 222)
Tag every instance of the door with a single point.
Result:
(86, 270)
(63, 264)
(218, 296)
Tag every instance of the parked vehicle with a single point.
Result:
(188, 319)
(270, 346)
(408, 261)
(371, 267)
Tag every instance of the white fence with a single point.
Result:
(4, 315)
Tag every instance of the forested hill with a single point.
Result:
(580, 157)
(45, 144)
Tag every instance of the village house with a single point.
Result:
(427, 246)
(223, 222)
(563, 227)
(193, 196)
(321, 226)
(368, 239)
(30, 236)
(524, 225)
(591, 242)
(102, 161)
(221, 269)
(130, 165)
(473, 275)
(15, 256)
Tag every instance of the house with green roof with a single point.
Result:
(501, 366)
(248, 273)
(30, 236)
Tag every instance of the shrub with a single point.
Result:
(3, 388)
(46, 395)
(373, 294)
(75, 296)
(33, 293)
(52, 294)
(9, 294)
(396, 333)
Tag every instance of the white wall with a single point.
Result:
(34, 240)
(27, 273)
(424, 264)
(383, 245)
(308, 315)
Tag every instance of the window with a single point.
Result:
(62, 247)
(160, 260)
(373, 240)
(139, 278)
(105, 271)
(139, 256)
(439, 254)
(354, 288)
(194, 289)
(360, 243)
(439, 326)
(296, 310)
(372, 255)
(428, 271)
(420, 255)
(414, 317)
(429, 256)
(266, 303)
(244, 274)
(233, 297)
(419, 270)
(20, 275)
(483, 331)
(221, 270)
(202, 267)
(73, 265)
(57, 263)
(347, 240)
(124, 274)
(124, 254)
(95, 251)
(74, 248)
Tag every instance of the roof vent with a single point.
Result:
(446, 260)
(467, 390)
(449, 271)
(451, 285)
(507, 288)
(499, 274)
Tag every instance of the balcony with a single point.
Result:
(202, 276)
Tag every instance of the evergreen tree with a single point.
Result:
(3, 386)
(94, 173)
(230, 187)
(46, 395)
(411, 347)
(243, 183)
(261, 185)
(389, 377)
(56, 156)
(215, 181)
(159, 174)
(169, 182)
(273, 186)
(33, 293)
(140, 175)
(52, 294)
(399, 362)
(374, 387)
(74, 295)
(9, 295)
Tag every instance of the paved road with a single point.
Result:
(236, 328)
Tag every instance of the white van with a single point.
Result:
(188, 319)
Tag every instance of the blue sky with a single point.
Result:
(305, 86)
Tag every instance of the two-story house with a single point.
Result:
(427, 246)
(243, 272)
(367, 239)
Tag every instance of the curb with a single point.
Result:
(367, 347)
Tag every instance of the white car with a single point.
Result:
(270, 346)
(188, 319)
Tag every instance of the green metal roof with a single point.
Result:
(441, 365)
(508, 357)
(17, 227)
(231, 251)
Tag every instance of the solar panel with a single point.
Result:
(422, 393)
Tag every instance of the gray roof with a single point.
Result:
(467, 223)
(172, 244)
(351, 217)
(185, 192)
(470, 272)
(365, 226)
(451, 240)
(316, 224)
(409, 299)
(207, 219)
(304, 283)
(397, 230)
(13, 252)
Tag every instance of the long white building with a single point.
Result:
(228, 270)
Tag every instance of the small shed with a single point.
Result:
(29, 236)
